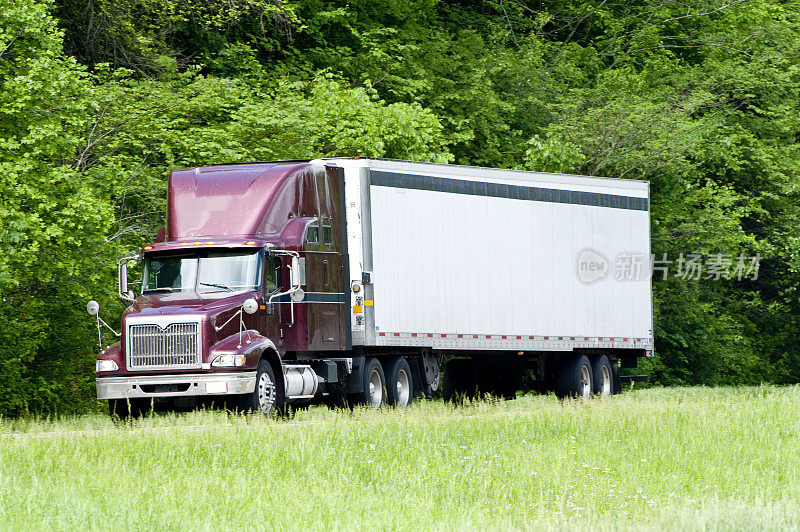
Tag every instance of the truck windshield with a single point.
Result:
(234, 271)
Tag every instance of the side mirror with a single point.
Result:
(123, 278)
(250, 306)
(93, 307)
(294, 269)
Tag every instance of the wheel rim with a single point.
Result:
(403, 388)
(585, 389)
(375, 388)
(605, 381)
(266, 393)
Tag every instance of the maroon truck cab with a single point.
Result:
(222, 309)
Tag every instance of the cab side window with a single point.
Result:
(312, 234)
(272, 275)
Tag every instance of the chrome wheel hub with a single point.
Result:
(403, 388)
(266, 393)
(605, 381)
(585, 389)
(375, 389)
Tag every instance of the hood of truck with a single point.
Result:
(187, 302)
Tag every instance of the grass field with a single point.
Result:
(682, 458)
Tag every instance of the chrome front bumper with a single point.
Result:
(175, 385)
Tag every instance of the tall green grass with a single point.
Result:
(697, 458)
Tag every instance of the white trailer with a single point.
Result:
(476, 262)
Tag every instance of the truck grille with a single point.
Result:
(175, 346)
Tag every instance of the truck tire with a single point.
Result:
(574, 377)
(399, 383)
(602, 376)
(128, 408)
(266, 397)
(374, 385)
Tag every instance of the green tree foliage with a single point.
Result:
(53, 226)
(701, 99)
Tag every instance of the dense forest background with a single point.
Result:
(101, 98)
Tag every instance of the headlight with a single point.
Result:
(105, 365)
(228, 361)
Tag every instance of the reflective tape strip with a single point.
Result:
(368, 303)
(358, 309)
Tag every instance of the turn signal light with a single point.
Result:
(228, 361)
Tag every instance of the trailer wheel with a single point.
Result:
(266, 397)
(374, 383)
(602, 376)
(399, 383)
(575, 377)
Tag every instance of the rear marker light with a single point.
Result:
(250, 243)
(148, 248)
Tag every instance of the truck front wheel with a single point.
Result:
(266, 397)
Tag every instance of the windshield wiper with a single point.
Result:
(217, 286)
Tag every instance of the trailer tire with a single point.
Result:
(266, 397)
(374, 384)
(399, 382)
(574, 377)
(602, 376)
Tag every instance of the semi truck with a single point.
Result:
(369, 281)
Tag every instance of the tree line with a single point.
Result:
(101, 98)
